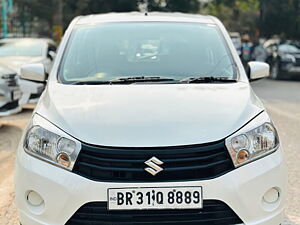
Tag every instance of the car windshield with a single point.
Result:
(109, 51)
(21, 48)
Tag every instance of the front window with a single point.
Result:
(109, 51)
(21, 48)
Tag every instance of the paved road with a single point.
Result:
(282, 99)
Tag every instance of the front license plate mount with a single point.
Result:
(155, 198)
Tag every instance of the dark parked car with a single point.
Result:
(285, 61)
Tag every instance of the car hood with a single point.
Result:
(15, 62)
(149, 115)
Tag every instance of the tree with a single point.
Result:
(281, 17)
(237, 15)
(172, 5)
(46, 11)
(263, 17)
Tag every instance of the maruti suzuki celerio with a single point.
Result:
(149, 119)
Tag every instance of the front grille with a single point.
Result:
(181, 163)
(34, 96)
(10, 80)
(213, 213)
(297, 62)
(9, 106)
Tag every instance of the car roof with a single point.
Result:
(144, 17)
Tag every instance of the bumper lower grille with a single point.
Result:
(9, 106)
(34, 96)
(180, 163)
(213, 213)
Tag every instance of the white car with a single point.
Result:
(123, 137)
(15, 52)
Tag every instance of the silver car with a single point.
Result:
(10, 92)
(14, 52)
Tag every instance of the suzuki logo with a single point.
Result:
(154, 167)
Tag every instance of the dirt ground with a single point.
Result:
(10, 133)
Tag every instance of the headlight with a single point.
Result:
(255, 140)
(45, 141)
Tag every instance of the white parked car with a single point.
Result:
(120, 136)
(10, 92)
(15, 52)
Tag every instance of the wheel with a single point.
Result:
(275, 71)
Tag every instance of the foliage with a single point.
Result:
(281, 17)
(237, 15)
(258, 17)
(172, 5)
(73, 8)
(264, 17)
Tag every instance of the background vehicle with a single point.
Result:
(14, 52)
(9, 92)
(237, 41)
(285, 61)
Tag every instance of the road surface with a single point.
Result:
(281, 98)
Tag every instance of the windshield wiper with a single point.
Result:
(141, 79)
(207, 79)
(90, 82)
(125, 80)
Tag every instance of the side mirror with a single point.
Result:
(51, 55)
(258, 70)
(33, 72)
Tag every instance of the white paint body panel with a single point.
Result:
(33, 72)
(149, 115)
(259, 70)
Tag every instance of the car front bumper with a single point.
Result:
(10, 108)
(65, 192)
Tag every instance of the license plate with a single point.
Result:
(16, 95)
(155, 198)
